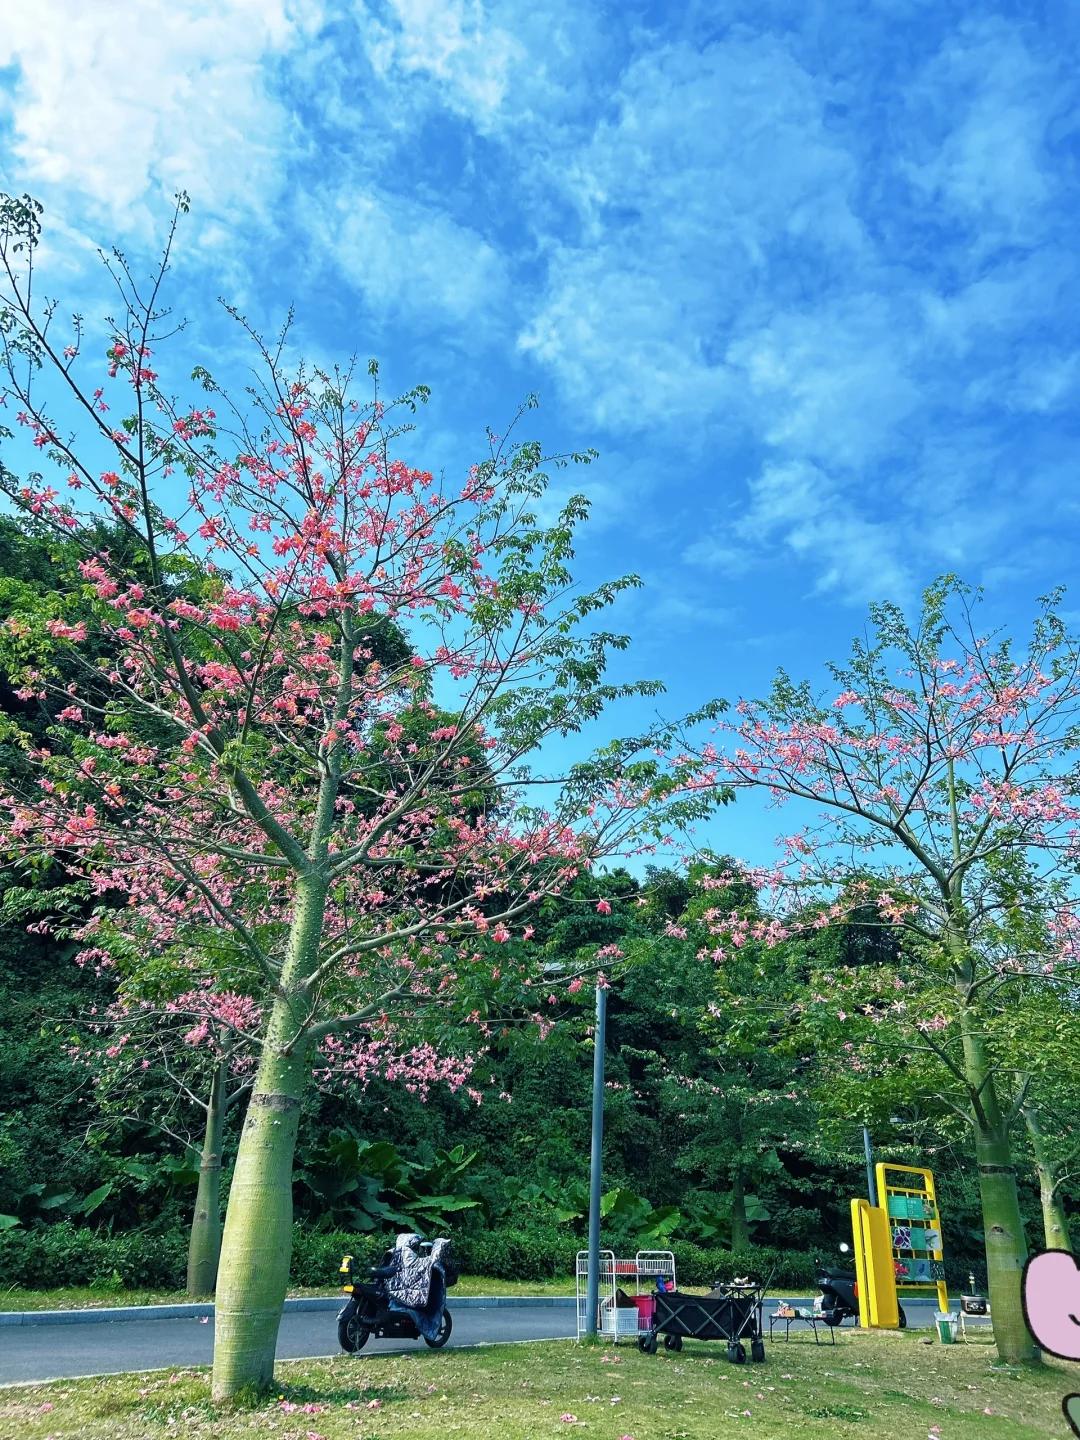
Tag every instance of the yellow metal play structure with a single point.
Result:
(897, 1244)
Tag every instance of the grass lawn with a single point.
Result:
(890, 1387)
(85, 1297)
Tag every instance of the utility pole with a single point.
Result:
(597, 1160)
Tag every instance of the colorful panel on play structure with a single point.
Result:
(906, 1194)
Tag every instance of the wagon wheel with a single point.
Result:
(672, 1342)
(646, 1342)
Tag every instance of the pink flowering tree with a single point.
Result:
(163, 1061)
(161, 1064)
(246, 771)
(940, 796)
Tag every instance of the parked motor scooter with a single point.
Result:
(839, 1296)
(367, 1312)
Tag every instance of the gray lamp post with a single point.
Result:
(871, 1188)
(597, 1162)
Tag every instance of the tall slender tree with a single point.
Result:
(939, 770)
(253, 771)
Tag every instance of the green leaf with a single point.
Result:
(756, 1209)
(8, 1222)
(661, 1223)
(56, 1202)
(184, 1175)
(94, 1199)
(378, 1157)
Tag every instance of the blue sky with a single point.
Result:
(806, 274)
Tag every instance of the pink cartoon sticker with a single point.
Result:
(1052, 1302)
(1051, 1293)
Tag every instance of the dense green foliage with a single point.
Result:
(732, 1121)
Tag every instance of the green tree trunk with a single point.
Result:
(740, 1230)
(1003, 1225)
(204, 1244)
(256, 1247)
(1055, 1222)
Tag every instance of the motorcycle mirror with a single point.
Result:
(844, 1248)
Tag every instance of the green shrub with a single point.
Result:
(63, 1254)
(539, 1253)
(316, 1254)
(789, 1269)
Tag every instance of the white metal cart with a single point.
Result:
(616, 1321)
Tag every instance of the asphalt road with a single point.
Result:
(53, 1352)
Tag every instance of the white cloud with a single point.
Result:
(454, 43)
(734, 284)
(118, 103)
(978, 114)
(833, 383)
(620, 343)
(693, 241)
(710, 185)
(406, 257)
(799, 508)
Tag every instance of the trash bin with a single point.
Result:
(946, 1328)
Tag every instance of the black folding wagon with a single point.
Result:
(729, 1312)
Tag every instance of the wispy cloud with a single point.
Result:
(455, 43)
(798, 510)
(810, 276)
(119, 105)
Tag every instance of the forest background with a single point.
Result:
(723, 1136)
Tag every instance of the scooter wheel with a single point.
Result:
(673, 1342)
(352, 1336)
(446, 1325)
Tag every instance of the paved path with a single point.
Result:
(49, 1352)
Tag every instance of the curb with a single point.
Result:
(306, 1302)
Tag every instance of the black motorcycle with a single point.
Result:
(839, 1296)
(367, 1311)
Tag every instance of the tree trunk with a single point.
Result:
(1055, 1223)
(204, 1245)
(1003, 1226)
(740, 1230)
(256, 1248)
